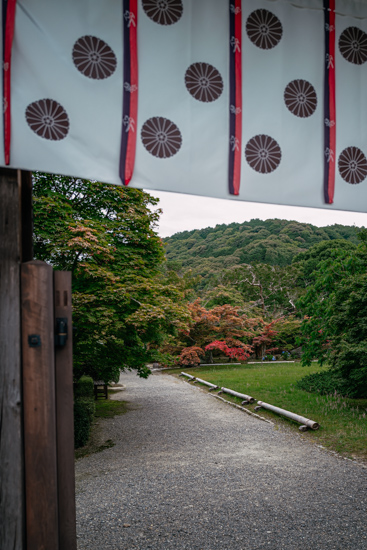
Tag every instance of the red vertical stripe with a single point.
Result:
(131, 140)
(9, 34)
(332, 106)
(238, 73)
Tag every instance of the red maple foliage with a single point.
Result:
(221, 322)
(263, 340)
(238, 351)
(190, 356)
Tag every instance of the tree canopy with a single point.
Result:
(272, 242)
(123, 308)
(258, 261)
(335, 329)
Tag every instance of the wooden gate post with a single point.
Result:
(37, 492)
(39, 406)
(64, 410)
(11, 432)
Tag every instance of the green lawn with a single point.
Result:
(343, 422)
(108, 408)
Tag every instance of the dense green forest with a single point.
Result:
(218, 258)
(274, 242)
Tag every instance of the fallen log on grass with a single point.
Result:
(211, 386)
(306, 422)
(188, 376)
(246, 398)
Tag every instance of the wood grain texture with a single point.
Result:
(65, 416)
(11, 446)
(26, 214)
(39, 407)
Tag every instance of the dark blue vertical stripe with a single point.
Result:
(126, 94)
(4, 10)
(4, 13)
(326, 102)
(232, 97)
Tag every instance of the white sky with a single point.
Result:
(186, 212)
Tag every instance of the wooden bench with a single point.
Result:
(100, 388)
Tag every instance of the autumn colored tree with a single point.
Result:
(265, 339)
(238, 350)
(105, 235)
(191, 356)
(219, 324)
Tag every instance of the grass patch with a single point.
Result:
(105, 408)
(107, 445)
(108, 408)
(343, 421)
(91, 448)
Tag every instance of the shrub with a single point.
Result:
(190, 357)
(84, 410)
(238, 350)
(84, 387)
(325, 383)
(296, 353)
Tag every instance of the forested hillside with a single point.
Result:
(271, 289)
(274, 242)
(257, 262)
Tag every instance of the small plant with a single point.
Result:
(190, 357)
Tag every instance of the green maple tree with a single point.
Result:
(335, 325)
(123, 308)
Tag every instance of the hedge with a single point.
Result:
(325, 383)
(84, 410)
(84, 387)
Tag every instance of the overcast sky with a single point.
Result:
(187, 212)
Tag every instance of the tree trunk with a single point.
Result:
(262, 298)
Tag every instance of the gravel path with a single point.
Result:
(190, 472)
